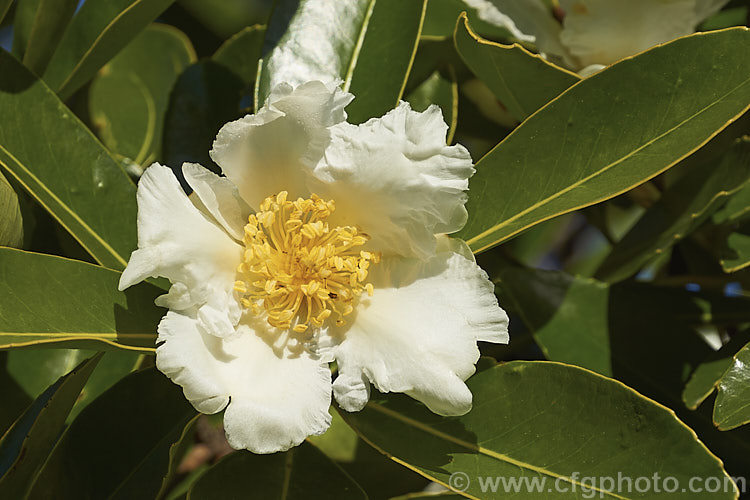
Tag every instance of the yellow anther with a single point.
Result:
(297, 269)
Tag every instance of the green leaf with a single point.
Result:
(140, 417)
(98, 31)
(522, 81)
(680, 210)
(26, 445)
(241, 53)
(4, 7)
(628, 331)
(736, 209)
(129, 97)
(441, 15)
(15, 399)
(61, 164)
(68, 303)
(205, 97)
(36, 369)
(225, 18)
(707, 375)
(606, 135)
(441, 91)
(732, 407)
(368, 44)
(339, 442)
(176, 454)
(50, 21)
(536, 420)
(23, 20)
(738, 245)
(294, 474)
(11, 221)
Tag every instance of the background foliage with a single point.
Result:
(612, 213)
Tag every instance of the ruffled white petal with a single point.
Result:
(527, 20)
(418, 333)
(396, 179)
(275, 398)
(605, 31)
(178, 242)
(273, 150)
(219, 198)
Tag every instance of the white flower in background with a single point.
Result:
(324, 241)
(596, 33)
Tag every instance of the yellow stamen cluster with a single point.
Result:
(296, 267)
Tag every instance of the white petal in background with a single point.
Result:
(418, 333)
(178, 242)
(273, 150)
(395, 178)
(275, 398)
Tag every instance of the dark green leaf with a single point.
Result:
(4, 7)
(732, 407)
(50, 21)
(15, 400)
(739, 246)
(26, 445)
(36, 369)
(296, 474)
(522, 81)
(140, 417)
(368, 44)
(59, 162)
(628, 331)
(240, 54)
(11, 222)
(68, 303)
(606, 135)
(225, 18)
(680, 210)
(737, 207)
(543, 421)
(176, 454)
(98, 31)
(441, 15)
(205, 97)
(23, 20)
(441, 91)
(129, 97)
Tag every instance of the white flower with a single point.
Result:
(324, 241)
(596, 33)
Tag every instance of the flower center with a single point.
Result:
(296, 266)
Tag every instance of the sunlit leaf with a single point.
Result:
(732, 407)
(544, 421)
(98, 31)
(129, 97)
(68, 303)
(522, 81)
(11, 222)
(606, 135)
(61, 164)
